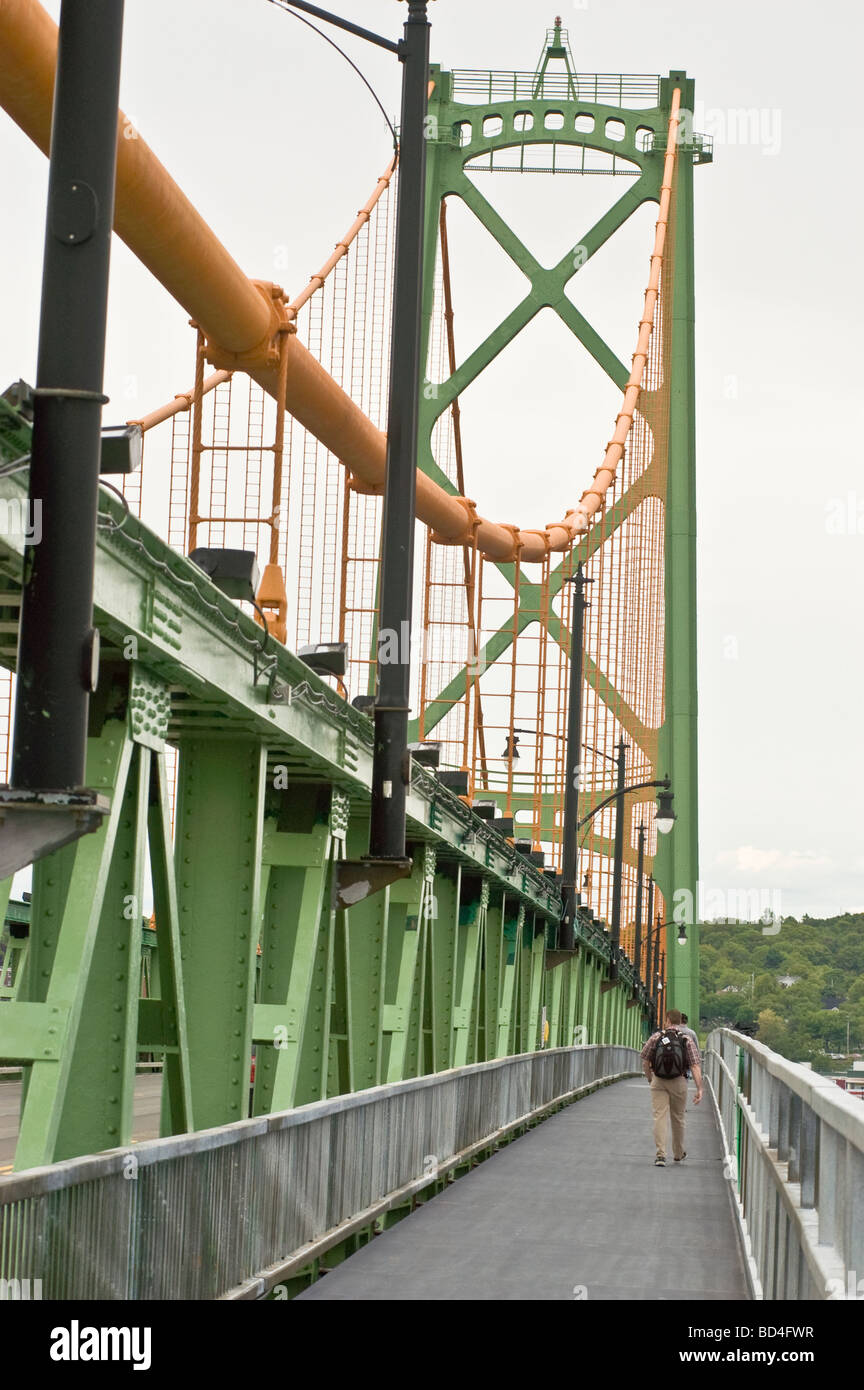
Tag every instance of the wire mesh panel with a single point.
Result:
(238, 480)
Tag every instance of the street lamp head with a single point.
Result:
(665, 818)
(682, 935)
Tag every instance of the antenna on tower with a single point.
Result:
(556, 50)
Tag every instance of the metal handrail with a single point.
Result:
(607, 89)
(229, 1212)
(795, 1157)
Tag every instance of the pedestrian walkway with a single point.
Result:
(575, 1209)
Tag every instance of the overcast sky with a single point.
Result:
(277, 143)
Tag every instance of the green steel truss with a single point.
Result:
(514, 112)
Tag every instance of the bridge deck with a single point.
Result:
(574, 1209)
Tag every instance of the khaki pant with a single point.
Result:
(668, 1101)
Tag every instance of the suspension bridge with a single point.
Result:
(238, 1044)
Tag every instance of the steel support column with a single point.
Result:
(677, 864)
(220, 810)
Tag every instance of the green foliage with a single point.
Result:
(807, 1020)
(823, 1063)
(773, 1030)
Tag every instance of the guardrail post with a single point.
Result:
(782, 1121)
(809, 1157)
(829, 1143)
(855, 1207)
(794, 1137)
(773, 1108)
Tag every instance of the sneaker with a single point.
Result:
(659, 1163)
(684, 1155)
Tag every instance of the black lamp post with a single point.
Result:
(649, 935)
(653, 936)
(390, 759)
(640, 868)
(390, 763)
(570, 825)
(664, 821)
(618, 863)
(58, 654)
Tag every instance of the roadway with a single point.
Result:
(148, 1091)
(573, 1210)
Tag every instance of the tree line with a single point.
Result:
(797, 986)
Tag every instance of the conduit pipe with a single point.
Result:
(243, 320)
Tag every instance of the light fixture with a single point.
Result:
(682, 935)
(121, 446)
(426, 754)
(510, 748)
(665, 818)
(325, 658)
(456, 782)
(122, 449)
(20, 397)
(235, 572)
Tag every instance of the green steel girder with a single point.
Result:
(364, 930)
(473, 907)
(411, 906)
(677, 863)
(511, 944)
(169, 1003)
(442, 938)
(72, 932)
(296, 880)
(220, 810)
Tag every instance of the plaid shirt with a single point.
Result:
(693, 1057)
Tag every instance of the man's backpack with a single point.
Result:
(670, 1055)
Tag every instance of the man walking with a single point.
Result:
(688, 1032)
(666, 1057)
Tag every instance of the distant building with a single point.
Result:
(787, 980)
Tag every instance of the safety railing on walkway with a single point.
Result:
(231, 1212)
(795, 1152)
(611, 89)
